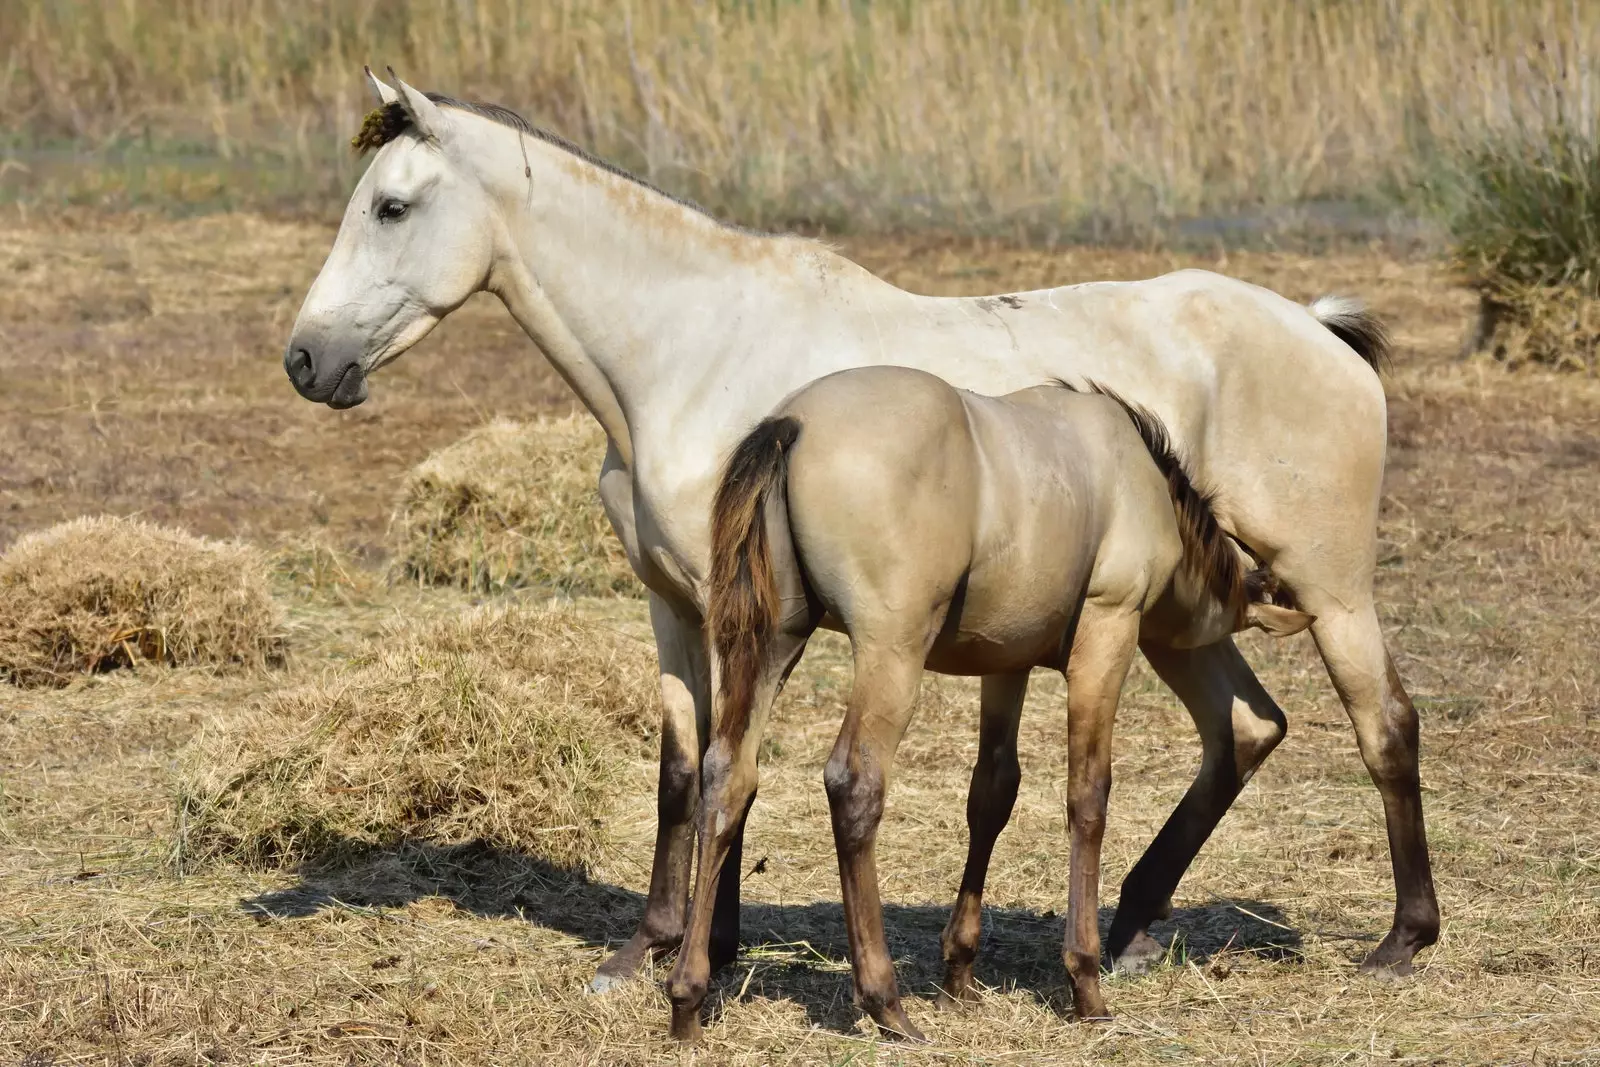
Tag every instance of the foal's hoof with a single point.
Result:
(602, 984)
(893, 1023)
(1140, 957)
(1391, 960)
(1387, 971)
(686, 1023)
(956, 990)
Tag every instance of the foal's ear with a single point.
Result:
(424, 113)
(1277, 620)
(385, 93)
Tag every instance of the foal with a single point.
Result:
(969, 535)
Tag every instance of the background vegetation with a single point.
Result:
(1228, 119)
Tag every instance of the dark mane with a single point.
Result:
(1207, 549)
(388, 122)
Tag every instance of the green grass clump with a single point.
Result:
(1523, 212)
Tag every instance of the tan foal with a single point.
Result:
(969, 535)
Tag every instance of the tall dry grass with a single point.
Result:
(1082, 117)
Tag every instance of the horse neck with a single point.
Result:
(626, 290)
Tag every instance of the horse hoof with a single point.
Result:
(686, 1024)
(601, 984)
(1140, 957)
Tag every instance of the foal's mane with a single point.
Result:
(1208, 551)
(384, 124)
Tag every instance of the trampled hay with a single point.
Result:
(504, 727)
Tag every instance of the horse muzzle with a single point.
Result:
(344, 387)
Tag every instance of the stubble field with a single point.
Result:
(139, 374)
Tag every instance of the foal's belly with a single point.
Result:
(1009, 625)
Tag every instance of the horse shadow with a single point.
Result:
(796, 952)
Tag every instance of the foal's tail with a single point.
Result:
(744, 603)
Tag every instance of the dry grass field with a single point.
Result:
(1232, 118)
(139, 375)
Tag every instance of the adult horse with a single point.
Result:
(679, 333)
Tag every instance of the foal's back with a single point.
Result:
(906, 494)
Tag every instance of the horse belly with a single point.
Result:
(1008, 624)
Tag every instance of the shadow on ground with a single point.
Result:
(792, 952)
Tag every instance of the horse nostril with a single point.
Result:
(298, 364)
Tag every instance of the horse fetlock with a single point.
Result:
(958, 985)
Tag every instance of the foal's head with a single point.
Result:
(418, 238)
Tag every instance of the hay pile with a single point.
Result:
(509, 726)
(96, 594)
(513, 504)
(1553, 325)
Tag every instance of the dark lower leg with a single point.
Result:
(666, 906)
(725, 913)
(726, 802)
(1239, 726)
(1387, 733)
(1416, 909)
(990, 799)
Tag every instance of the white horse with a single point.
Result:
(680, 333)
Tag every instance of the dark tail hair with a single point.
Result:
(744, 606)
(1207, 551)
(1352, 323)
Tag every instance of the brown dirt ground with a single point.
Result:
(139, 374)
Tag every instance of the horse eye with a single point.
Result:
(390, 210)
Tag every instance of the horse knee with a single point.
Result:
(855, 798)
(678, 788)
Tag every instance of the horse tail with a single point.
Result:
(744, 605)
(1350, 321)
(1208, 552)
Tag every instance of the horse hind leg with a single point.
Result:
(857, 778)
(990, 799)
(1239, 726)
(1350, 641)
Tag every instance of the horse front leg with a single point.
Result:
(685, 727)
(1101, 653)
(1239, 726)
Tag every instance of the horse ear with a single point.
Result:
(1277, 620)
(385, 93)
(424, 113)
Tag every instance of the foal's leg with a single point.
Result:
(1239, 725)
(1351, 643)
(728, 787)
(989, 802)
(685, 717)
(857, 777)
(1101, 652)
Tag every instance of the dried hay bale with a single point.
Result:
(95, 594)
(513, 504)
(509, 727)
(1553, 325)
